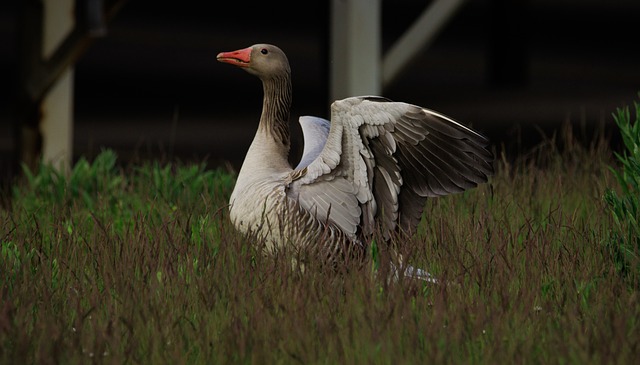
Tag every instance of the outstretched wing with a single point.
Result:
(382, 159)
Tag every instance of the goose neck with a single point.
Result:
(276, 105)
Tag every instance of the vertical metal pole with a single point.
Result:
(355, 48)
(56, 124)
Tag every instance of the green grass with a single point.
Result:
(625, 243)
(141, 265)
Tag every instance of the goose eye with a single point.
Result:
(264, 51)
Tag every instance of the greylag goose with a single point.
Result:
(369, 170)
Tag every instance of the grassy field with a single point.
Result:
(140, 264)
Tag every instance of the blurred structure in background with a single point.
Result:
(149, 87)
(52, 36)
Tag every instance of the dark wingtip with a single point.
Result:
(379, 99)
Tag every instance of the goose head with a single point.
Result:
(262, 60)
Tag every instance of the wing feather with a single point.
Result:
(315, 131)
(381, 160)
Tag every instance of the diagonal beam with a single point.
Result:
(418, 37)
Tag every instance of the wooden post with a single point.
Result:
(28, 139)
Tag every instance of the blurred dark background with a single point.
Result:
(151, 87)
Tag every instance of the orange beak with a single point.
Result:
(240, 58)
